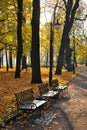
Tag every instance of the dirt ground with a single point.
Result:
(69, 113)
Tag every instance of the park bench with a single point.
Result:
(45, 93)
(62, 89)
(26, 102)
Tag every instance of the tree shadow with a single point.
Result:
(81, 81)
(67, 124)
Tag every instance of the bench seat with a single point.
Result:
(32, 105)
(60, 87)
(45, 93)
(50, 94)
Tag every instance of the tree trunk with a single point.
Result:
(0, 59)
(68, 56)
(60, 58)
(24, 64)
(6, 59)
(47, 59)
(19, 38)
(86, 61)
(35, 53)
(1, 56)
(70, 13)
(10, 58)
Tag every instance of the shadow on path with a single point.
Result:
(67, 121)
(81, 80)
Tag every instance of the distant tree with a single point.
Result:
(24, 64)
(35, 52)
(10, 58)
(7, 66)
(1, 56)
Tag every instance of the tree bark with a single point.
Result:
(35, 53)
(68, 56)
(24, 64)
(7, 67)
(0, 59)
(19, 38)
(60, 57)
(10, 58)
(47, 59)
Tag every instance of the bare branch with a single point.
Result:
(80, 19)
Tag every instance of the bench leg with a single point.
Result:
(66, 90)
(61, 94)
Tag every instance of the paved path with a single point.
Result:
(65, 114)
(73, 115)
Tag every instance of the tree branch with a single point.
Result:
(79, 19)
(76, 5)
(65, 3)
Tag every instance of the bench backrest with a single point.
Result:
(43, 88)
(24, 96)
(54, 83)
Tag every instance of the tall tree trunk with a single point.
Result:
(60, 57)
(35, 53)
(24, 64)
(0, 59)
(86, 61)
(70, 13)
(47, 59)
(68, 55)
(10, 58)
(19, 38)
(7, 67)
(1, 56)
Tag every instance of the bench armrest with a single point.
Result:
(41, 97)
(28, 106)
(33, 105)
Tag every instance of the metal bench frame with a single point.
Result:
(62, 89)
